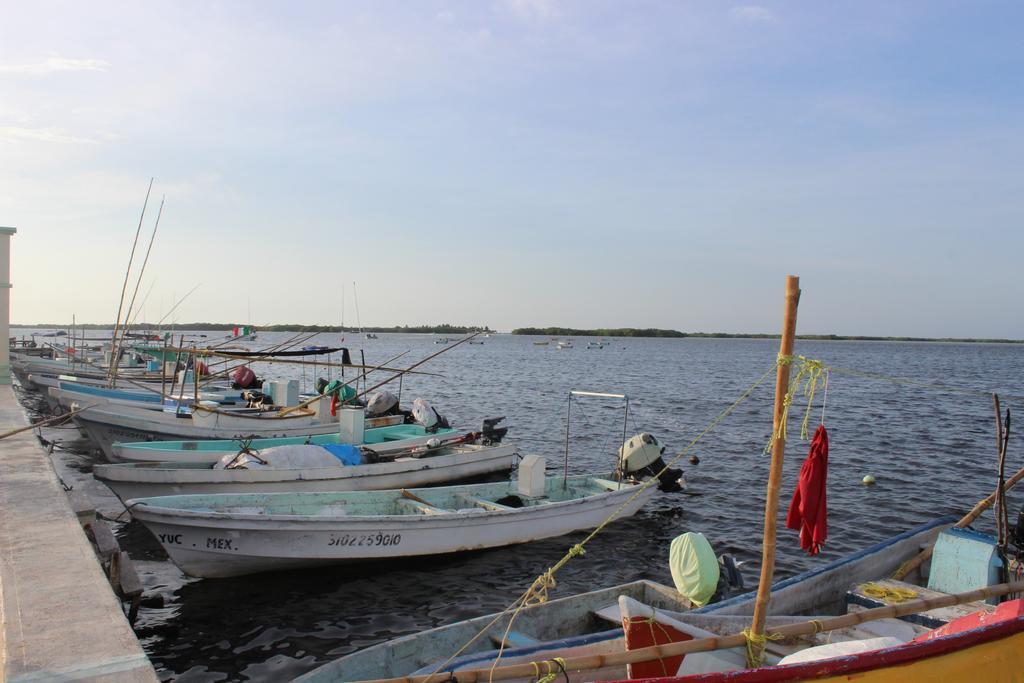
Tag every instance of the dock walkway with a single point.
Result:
(60, 619)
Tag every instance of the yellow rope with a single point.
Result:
(756, 658)
(809, 374)
(888, 594)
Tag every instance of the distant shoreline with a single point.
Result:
(533, 331)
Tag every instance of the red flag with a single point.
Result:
(808, 512)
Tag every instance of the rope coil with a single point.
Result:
(888, 594)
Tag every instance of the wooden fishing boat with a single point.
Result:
(400, 465)
(590, 623)
(69, 395)
(209, 451)
(107, 424)
(224, 535)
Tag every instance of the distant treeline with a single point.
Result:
(227, 327)
(546, 331)
(650, 332)
(602, 332)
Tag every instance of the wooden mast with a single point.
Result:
(771, 506)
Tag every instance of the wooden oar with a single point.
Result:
(912, 564)
(590, 662)
(413, 496)
(47, 421)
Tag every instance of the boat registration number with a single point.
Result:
(379, 538)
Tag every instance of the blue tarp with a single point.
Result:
(346, 453)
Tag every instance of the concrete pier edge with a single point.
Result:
(60, 618)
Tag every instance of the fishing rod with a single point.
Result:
(292, 341)
(175, 306)
(402, 373)
(131, 258)
(143, 304)
(142, 271)
(355, 379)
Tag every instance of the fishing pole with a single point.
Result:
(131, 258)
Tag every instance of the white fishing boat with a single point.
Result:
(222, 535)
(399, 464)
(107, 424)
(210, 451)
(69, 395)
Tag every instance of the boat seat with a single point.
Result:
(424, 508)
(611, 614)
(514, 639)
(857, 599)
(486, 504)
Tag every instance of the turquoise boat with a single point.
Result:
(210, 451)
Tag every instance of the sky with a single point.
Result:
(519, 163)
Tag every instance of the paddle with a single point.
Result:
(590, 662)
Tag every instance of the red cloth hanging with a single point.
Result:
(807, 512)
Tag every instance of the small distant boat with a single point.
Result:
(223, 535)
(442, 340)
(565, 344)
(541, 343)
(371, 335)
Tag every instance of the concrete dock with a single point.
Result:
(60, 618)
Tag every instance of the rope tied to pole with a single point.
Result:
(756, 643)
(810, 374)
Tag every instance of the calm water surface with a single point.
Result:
(932, 453)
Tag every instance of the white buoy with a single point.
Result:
(868, 480)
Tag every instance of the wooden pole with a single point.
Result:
(771, 506)
(48, 421)
(654, 652)
(1000, 496)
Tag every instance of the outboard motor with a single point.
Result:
(243, 378)
(640, 456)
(491, 433)
(731, 574)
(382, 403)
(423, 413)
(1017, 534)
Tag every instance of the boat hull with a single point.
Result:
(208, 544)
(991, 653)
(170, 478)
(109, 425)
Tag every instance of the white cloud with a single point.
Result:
(19, 134)
(752, 14)
(54, 65)
(537, 10)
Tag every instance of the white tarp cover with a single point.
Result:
(299, 456)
